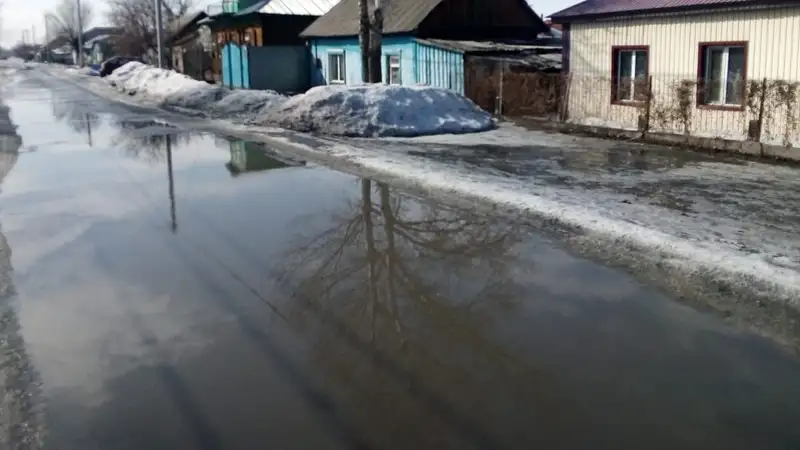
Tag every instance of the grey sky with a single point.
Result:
(18, 15)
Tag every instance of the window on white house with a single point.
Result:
(336, 68)
(629, 74)
(723, 74)
(393, 70)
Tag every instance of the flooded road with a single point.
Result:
(179, 290)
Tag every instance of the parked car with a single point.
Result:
(115, 63)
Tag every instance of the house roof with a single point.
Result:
(182, 26)
(99, 31)
(594, 8)
(485, 46)
(399, 16)
(298, 7)
(92, 41)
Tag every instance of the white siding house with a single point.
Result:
(696, 67)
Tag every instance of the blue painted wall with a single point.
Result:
(281, 68)
(234, 66)
(419, 63)
(439, 67)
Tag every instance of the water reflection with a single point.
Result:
(21, 410)
(147, 139)
(249, 156)
(409, 295)
(79, 116)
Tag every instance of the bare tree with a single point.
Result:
(64, 23)
(136, 19)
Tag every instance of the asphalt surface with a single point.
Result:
(180, 290)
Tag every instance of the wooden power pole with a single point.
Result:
(363, 38)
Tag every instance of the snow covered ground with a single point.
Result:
(685, 214)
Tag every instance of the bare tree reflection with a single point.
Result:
(147, 139)
(78, 116)
(410, 296)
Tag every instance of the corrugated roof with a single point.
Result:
(298, 7)
(399, 16)
(485, 46)
(608, 7)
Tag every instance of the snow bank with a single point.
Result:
(361, 111)
(380, 110)
(246, 103)
(164, 86)
(80, 70)
(169, 88)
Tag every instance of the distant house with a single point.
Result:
(98, 44)
(432, 42)
(190, 55)
(688, 66)
(260, 43)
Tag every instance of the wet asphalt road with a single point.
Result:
(178, 290)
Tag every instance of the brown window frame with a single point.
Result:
(702, 48)
(615, 50)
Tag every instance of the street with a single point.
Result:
(176, 289)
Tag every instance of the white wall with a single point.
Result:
(773, 37)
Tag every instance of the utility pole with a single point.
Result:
(33, 34)
(80, 35)
(363, 38)
(159, 32)
(376, 30)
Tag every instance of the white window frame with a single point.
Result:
(632, 81)
(390, 65)
(708, 78)
(342, 68)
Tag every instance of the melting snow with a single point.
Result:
(380, 110)
(364, 111)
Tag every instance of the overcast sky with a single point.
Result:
(18, 15)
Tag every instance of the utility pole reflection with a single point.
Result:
(172, 215)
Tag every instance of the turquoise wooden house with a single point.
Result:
(424, 41)
(259, 43)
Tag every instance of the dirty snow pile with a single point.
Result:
(12, 65)
(173, 89)
(163, 85)
(247, 104)
(80, 70)
(358, 111)
(380, 110)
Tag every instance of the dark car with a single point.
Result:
(115, 63)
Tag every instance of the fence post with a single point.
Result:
(649, 104)
(762, 101)
(499, 104)
(566, 86)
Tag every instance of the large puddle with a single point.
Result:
(175, 290)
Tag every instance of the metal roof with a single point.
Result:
(613, 7)
(399, 16)
(486, 46)
(298, 7)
